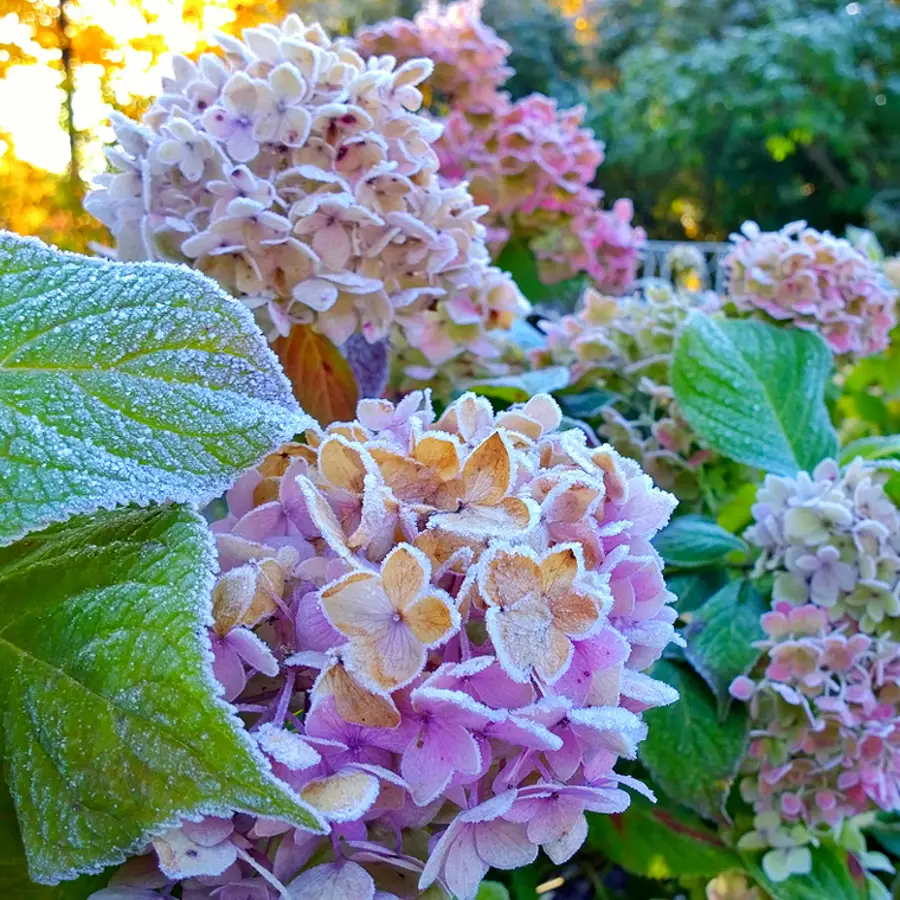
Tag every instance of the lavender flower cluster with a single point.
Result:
(438, 631)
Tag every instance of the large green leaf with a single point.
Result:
(830, 878)
(111, 721)
(691, 754)
(755, 392)
(694, 587)
(125, 383)
(14, 880)
(720, 636)
(692, 542)
(660, 841)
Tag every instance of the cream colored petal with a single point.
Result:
(545, 410)
(357, 605)
(388, 661)
(487, 473)
(232, 597)
(510, 518)
(518, 422)
(342, 797)
(555, 656)
(520, 636)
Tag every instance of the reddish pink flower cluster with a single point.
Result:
(531, 163)
(469, 57)
(816, 281)
(438, 631)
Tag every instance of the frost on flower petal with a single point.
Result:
(436, 629)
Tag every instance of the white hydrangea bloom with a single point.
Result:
(302, 179)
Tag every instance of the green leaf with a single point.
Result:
(518, 388)
(693, 588)
(691, 754)
(586, 404)
(830, 878)
(876, 447)
(720, 636)
(755, 392)
(660, 841)
(692, 542)
(14, 880)
(735, 514)
(124, 383)
(112, 724)
(492, 890)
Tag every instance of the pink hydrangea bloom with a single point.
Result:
(303, 180)
(469, 57)
(530, 163)
(825, 706)
(815, 281)
(458, 611)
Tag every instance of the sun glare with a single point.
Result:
(30, 96)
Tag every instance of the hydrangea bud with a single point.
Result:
(453, 617)
(815, 281)
(302, 179)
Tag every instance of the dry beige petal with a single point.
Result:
(520, 423)
(266, 491)
(353, 702)
(487, 473)
(510, 577)
(440, 455)
(410, 480)
(277, 463)
(403, 576)
(342, 465)
(430, 619)
(558, 570)
(232, 596)
(574, 613)
(613, 477)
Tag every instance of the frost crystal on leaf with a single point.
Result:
(125, 384)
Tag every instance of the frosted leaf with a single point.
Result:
(114, 728)
(125, 383)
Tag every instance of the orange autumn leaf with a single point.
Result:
(323, 381)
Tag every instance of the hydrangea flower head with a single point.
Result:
(825, 707)
(529, 162)
(437, 630)
(626, 345)
(469, 57)
(302, 179)
(832, 539)
(817, 282)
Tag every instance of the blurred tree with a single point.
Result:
(775, 115)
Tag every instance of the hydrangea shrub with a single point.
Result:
(815, 281)
(825, 708)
